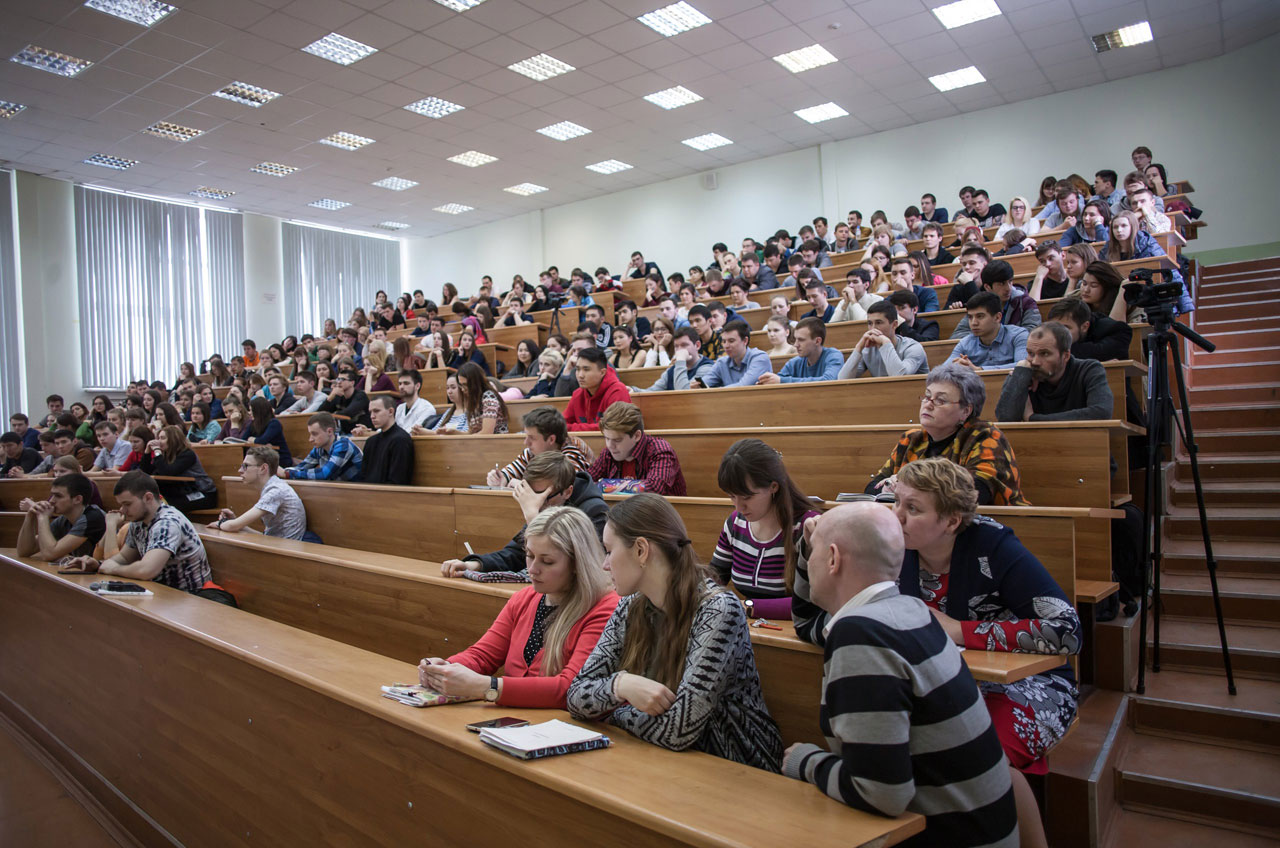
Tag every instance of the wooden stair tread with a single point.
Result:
(1132, 828)
(1203, 764)
(1203, 633)
(1258, 586)
(1210, 690)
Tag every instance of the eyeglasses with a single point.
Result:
(936, 401)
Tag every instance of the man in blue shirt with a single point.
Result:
(332, 457)
(992, 344)
(815, 363)
(815, 291)
(741, 364)
(903, 275)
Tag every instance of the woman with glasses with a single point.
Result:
(951, 427)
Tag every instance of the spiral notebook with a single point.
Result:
(548, 739)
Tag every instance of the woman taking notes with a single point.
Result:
(546, 631)
(674, 665)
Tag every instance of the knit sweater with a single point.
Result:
(757, 567)
(1081, 395)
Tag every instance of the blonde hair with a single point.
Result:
(622, 417)
(1026, 213)
(951, 485)
(551, 356)
(573, 534)
(375, 354)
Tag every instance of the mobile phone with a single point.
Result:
(505, 721)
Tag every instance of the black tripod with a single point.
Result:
(1161, 421)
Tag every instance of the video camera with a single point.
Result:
(1144, 292)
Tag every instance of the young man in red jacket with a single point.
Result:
(598, 386)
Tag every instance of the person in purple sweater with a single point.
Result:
(757, 550)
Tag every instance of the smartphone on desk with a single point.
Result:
(505, 721)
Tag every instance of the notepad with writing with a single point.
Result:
(547, 739)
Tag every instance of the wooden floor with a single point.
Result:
(36, 810)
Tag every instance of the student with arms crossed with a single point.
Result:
(64, 525)
(388, 453)
(674, 665)
(278, 506)
(633, 461)
(545, 632)
(881, 352)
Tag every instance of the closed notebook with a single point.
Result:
(548, 739)
(419, 696)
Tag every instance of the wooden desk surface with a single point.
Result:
(260, 729)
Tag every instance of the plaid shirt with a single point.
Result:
(340, 462)
(977, 446)
(656, 464)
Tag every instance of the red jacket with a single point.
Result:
(502, 646)
(583, 410)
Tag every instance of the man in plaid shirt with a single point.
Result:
(332, 457)
(634, 461)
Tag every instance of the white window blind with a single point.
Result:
(328, 273)
(11, 367)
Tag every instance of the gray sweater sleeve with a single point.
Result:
(1099, 401)
(1013, 396)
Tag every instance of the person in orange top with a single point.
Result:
(250, 356)
(598, 387)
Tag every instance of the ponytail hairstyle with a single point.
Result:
(570, 531)
(657, 641)
(750, 465)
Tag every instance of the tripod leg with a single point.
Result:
(1210, 563)
(1151, 521)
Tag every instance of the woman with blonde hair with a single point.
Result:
(545, 632)
(375, 367)
(880, 282)
(663, 335)
(1019, 218)
(550, 361)
(674, 665)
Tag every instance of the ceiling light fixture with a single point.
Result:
(346, 141)
(115, 162)
(327, 203)
(564, 131)
(173, 132)
(454, 208)
(434, 107)
(392, 225)
(818, 114)
(805, 59)
(142, 12)
(609, 166)
(964, 12)
(248, 95)
(339, 49)
(674, 19)
(395, 183)
(673, 98)
(8, 110)
(273, 169)
(541, 67)
(1139, 33)
(473, 158)
(209, 193)
(707, 142)
(459, 5)
(957, 79)
(525, 189)
(50, 60)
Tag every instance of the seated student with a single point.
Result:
(170, 455)
(633, 461)
(115, 450)
(795, 264)
(526, 364)
(20, 424)
(64, 525)
(667, 309)
(1066, 388)
(637, 268)
(546, 631)
(990, 344)
(185, 399)
(741, 364)
(17, 455)
(933, 249)
(1093, 335)
(1013, 242)
(602, 329)
(756, 553)
(1017, 309)
(912, 225)
(661, 342)
(1051, 280)
(1104, 186)
(687, 364)
(856, 298)
(738, 300)
(466, 351)
(930, 211)
(1129, 241)
(480, 400)
(1065, 209)
(544, 430)
(951, 427)
(266, 429)
(1134, 181)
(203, 428)
(64, 465)
(674, 665)
(161, 545)
(138, 439)
(881, 352)
(514, 315)
(968, 281)
(757, 277)
(813, 363)
(625, 353)
(388, 453)
(1019, 218)
(902, 274)
(910, 324)
(549, 364)
(332, 457)
(987, 214)
(278, 506)
(567, 382)
(720, 315)
(1092, 226)
(250, 356)
(899, 707)
(627, 313)
(1142, 202)
(814, 256)
(550, 479)
(815, 291)
(598, 387)
(413, 409)
(347, 400)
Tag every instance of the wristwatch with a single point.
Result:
(491, 694)
(751, 607)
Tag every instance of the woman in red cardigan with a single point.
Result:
(545, 632)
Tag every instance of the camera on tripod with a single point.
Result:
(1143, 292)
(555, 300)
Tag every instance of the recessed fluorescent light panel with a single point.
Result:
(395, 183)
(609, 166)
(8, 110)
(818, 114)
(346, 141)
(49, 60)
(392, 225)
(339, 48)
(707, 142)
(273, 169)
(459, 5)
(173, 132)
(541, 67)
(114, 162)
(564, 131)
(1139, 33)
(473, 158)
(674, 19)
(525, 189)
(805, 59)
(453, 208)
(209, 193)
(673, 98)
(142, 12)
(248, 95)
(326, 203)
(964, 12)
(434, 107)
(957, 79)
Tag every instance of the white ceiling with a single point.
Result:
(886, 49)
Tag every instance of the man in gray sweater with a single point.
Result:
(1052, 385)
(881, 352)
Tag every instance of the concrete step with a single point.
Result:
(1186, 556)
(1226, 493)
(1228, 415)
(1191, 644)
(1245, 599)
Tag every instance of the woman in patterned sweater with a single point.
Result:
(674, 665)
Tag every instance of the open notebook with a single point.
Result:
(548, 739)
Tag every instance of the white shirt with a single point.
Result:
(860, 599)
(408, 417)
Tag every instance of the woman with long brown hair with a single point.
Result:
(481, 401)
(170, 455)
(674, 665)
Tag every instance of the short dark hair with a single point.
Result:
(20, 416)
(811, 244)
(819, 218)
(620, 305)
(386, 400)
(265, 454)
(1061, 335)
(986, 301)
(912, 212)
(981, 192)
(974, 249)
(138, 484)
(690, 334)
(885, 308)
(79, 485)
(106, 424)
(48, 436)
(597, 307)
(63, 433)
(699, 309)
(412, 374)
(323, 420)
(1044, 248)
(932, 227)
(815, 283)
(771, 250)
(966, 190)
(548, 421)
(309, 376)
(904, 298)
(996, 271)
(737, 325)
(1073, 308)
(1108, 175)
(719, 247)
(930, 196)
(861, 273)
(248, 343)
(11, 438)
(814, 325)
(795, 259)
(739, 283)
(594, 355)
(51, 398)
(716, 306)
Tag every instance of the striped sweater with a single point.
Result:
(756, 567)
(577, 451)
(906, 727)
